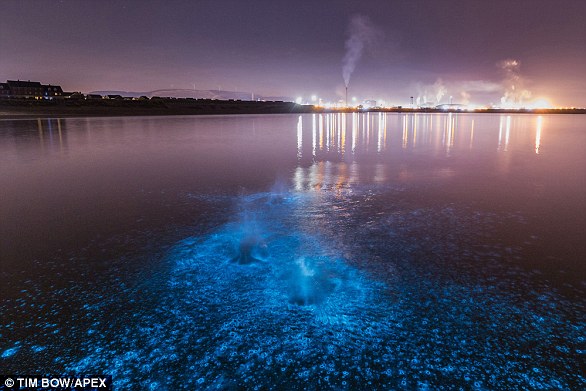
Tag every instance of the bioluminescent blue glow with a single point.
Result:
(357, 307)
(300, 290)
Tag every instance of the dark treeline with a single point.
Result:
(146, 106)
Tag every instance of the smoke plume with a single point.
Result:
(440, 90)
(431, 94)
(513, 82)
(362, 33)
(464, 97)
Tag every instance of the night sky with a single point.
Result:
(474, 51)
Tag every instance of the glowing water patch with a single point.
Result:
(351, 292)
(10, 352)
(286, 264)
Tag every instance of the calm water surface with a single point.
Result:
(358, 251)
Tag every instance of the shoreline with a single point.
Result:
(23, 109)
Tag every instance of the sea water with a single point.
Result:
(324, 251)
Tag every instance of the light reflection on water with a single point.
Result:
(380, 250)
(368, 132)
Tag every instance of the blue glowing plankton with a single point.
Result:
(331, 289)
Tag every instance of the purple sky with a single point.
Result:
(427, 49)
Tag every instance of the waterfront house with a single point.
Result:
(29, 89)
(25, 89)
(4, 90)
(50, 91)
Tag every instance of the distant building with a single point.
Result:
(50, 91)
(29, 89)
(25, 89)
(73, 95)
(451, 106)
(369, 103)
(4, 90)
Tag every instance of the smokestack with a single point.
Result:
(362, 34)
(346, 96)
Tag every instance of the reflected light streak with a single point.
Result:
(321, 132)
(508, 132)
(41, 136)
(450, 129)
(404, 139)
(60, 133)
(415, 119)
(384, 131)
(471, 134)
(355, 125)
(299, 138)
(356, 133)
(40, 126)
(430, 128)
(316, 176)
(342, 178)
(453, 132)
(339, 132)
(363, 129)
(354, 173)
(538, 134)
(343, 136)
(50, 128)
(444, 131)
(439, 132)
(424, 130)
(313, 134)
(380, 132)
(500, 132)
(368, 119)
(333, 130)
(299, 178)
(328, 174)
(449, 133)
(327, 130)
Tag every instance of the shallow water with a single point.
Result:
(359, 251)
